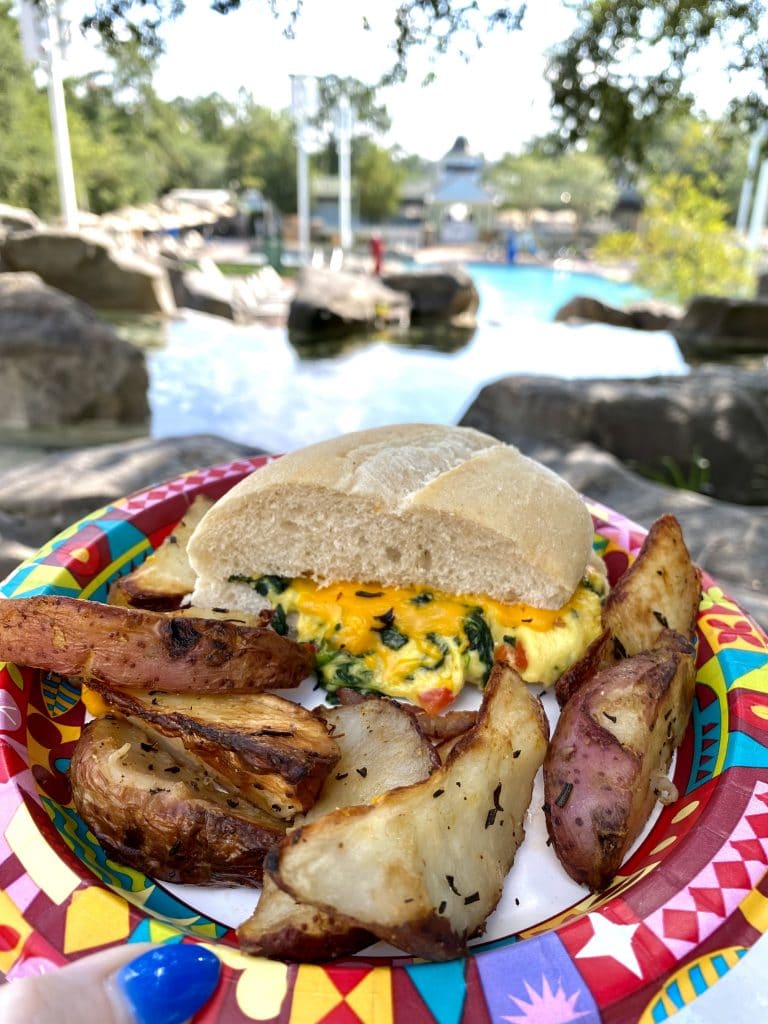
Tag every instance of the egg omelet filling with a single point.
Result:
(422, 645)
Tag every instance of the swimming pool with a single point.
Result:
(250, 385)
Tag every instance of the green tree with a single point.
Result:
(709, 151)
(600, 85)
(611, 78)
(378, 179)
(580, 181)
(27, 168)
(261, 152)
(684, 246)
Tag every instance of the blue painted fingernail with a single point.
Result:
(167, 985)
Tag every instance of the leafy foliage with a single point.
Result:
(580, 181)
(684, 246)
(599, 87)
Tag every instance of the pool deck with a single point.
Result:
(238, 250)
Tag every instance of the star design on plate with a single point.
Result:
(546, 1007)
(613, 940)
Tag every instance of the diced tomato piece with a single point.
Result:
(433, 701)
(521, 659)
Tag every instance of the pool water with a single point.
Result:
(540, 291)
(249, 384)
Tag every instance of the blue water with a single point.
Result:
(539, 291)
(250, 384)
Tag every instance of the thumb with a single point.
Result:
(134, 984)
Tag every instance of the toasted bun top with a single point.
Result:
(444, 507)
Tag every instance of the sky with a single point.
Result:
(499, 100)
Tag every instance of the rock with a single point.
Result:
(729, 541)
(62, 364)
(646, 316)
(718, 328)
(707, 430)
(49, 492)
(334, 304)
(16, 218)
(91, 267)
(446, 295)
(261, 296)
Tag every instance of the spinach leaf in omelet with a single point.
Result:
(480, 639)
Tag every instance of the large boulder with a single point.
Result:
(91, 267)
(331, 304)
(718, 328)
(45, 493)
(441, 295)
(729, 541)
(62, 364)
(17, 218)
(261, 296)
(643, 316)
(707, 430)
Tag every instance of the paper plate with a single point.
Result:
(688, 904)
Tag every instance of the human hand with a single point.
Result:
(133, 984)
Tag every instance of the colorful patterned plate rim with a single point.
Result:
(686, 907)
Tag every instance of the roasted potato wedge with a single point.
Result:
(283, 929)
(612, 745)
(169, 820)
(381, 749)
(276, 752)
(165, 577)
(145, 650)
(660, 590)
(424, 866)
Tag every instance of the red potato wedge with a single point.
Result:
(610, 751)
(381, 749)
(165, 577)
(145, 650)
(276, 752)
(660, 590)
(167, 819)
(424, 866)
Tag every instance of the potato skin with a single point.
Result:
(165, 820)
(147, 650)
(614, 737)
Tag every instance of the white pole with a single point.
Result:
(747, 188)
(64, 169)
(759, 208)
(344, 136)
(299, 104)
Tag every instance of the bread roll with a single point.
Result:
(444, 507)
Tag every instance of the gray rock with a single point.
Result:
(241, 299)
(91, 267)
(333, 304)
(445, 295)
(707, 430)
(718, 328)
(17, 218)
(729, 541)
(62, 364)
(50, 491)
(645, 316)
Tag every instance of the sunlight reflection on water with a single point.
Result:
(249, 384)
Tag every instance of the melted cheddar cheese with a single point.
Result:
(423, 645)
